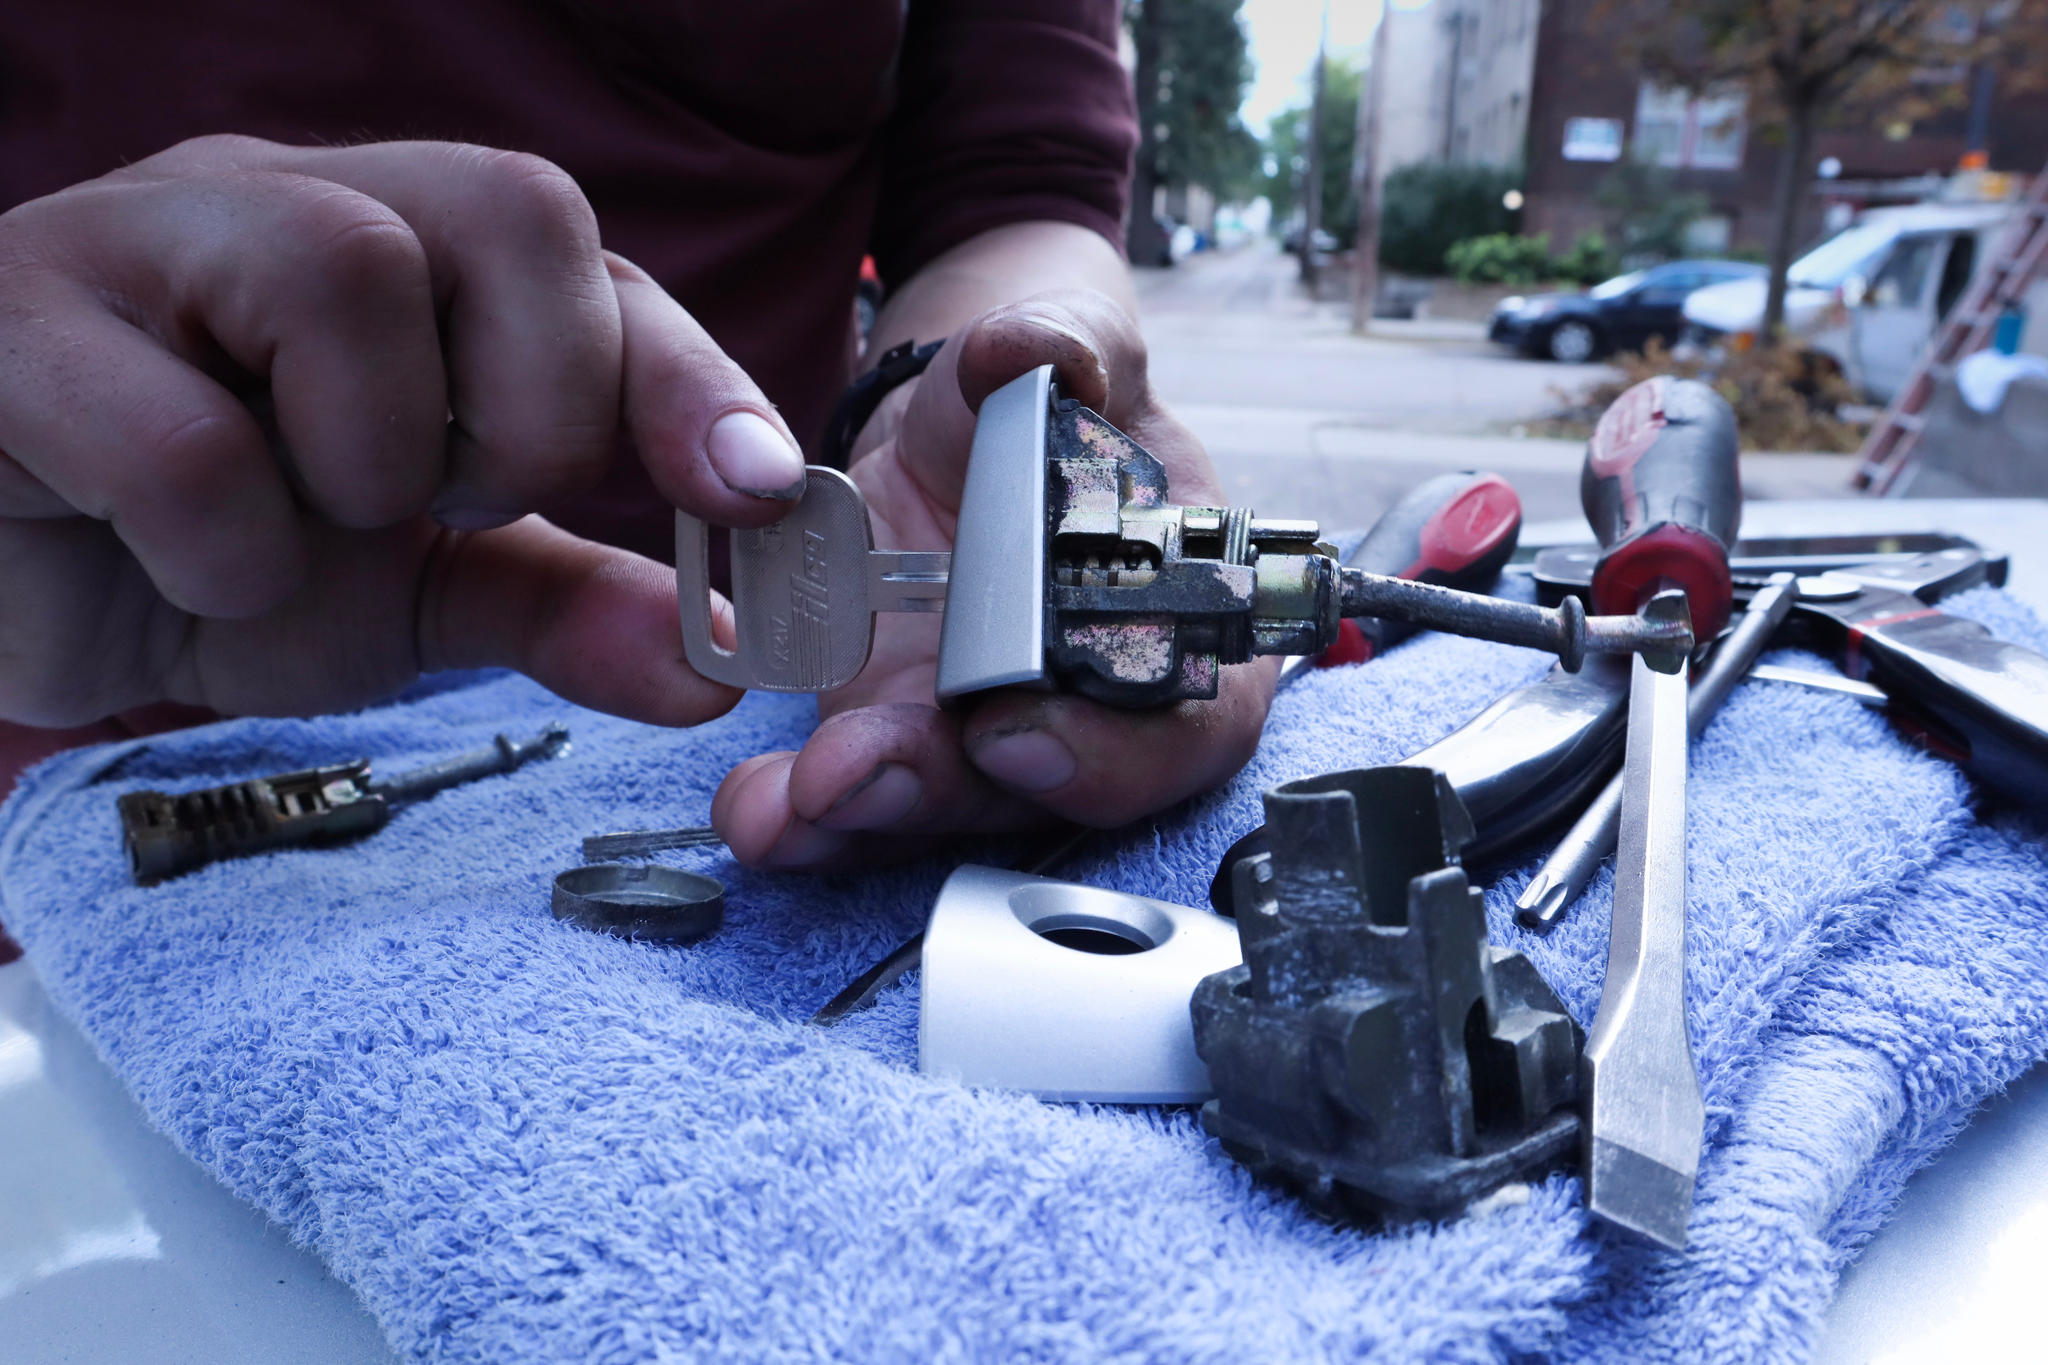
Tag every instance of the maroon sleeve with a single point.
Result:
(1007, 111)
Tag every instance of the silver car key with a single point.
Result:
(804, 592)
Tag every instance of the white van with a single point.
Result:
(1869, 298)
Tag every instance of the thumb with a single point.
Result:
(594, 624)
(1090, 341)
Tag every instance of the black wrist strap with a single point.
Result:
(898, 365)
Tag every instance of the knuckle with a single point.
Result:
(536, 199)
(350, 243)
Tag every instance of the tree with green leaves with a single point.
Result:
(1801, 61)
(1192, 69)
(1286, 148)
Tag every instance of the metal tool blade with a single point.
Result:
(1644, 1114)
(1874, 697)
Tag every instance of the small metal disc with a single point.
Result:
(641, 900)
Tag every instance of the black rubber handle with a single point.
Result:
(1456, 530)
(1663, 491)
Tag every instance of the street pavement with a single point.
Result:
(1305, 419)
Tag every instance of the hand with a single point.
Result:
(887, 771)
(271, 418)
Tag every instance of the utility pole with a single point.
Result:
(1312, 192)
(1365, 176)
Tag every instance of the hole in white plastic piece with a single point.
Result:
(1087, 938)
(1088, 920)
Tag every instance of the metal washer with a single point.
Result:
(641, 901)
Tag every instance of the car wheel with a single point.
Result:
(1572, 343)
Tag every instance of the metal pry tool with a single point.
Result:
(1950, 686)
(1073, 571)
(1662, 490)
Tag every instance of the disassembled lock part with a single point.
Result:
(1374, 1052)
(165, 834)
(1065, 991)
(638, 843)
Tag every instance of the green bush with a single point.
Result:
(1589, 261)
(1426, 209)
(1500, 258)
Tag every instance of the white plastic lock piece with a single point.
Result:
(1067, 992)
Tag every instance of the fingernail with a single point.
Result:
(1029, 760)
(803, 845)
(754, 458)
(879, 800)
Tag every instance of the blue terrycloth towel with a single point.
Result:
(522, 1142)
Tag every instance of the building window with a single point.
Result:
(1676, 128)
(1592, 139)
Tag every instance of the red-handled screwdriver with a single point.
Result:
(1455, 530)
(1663, 492)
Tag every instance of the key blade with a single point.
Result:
(799, 594)
(908, 580)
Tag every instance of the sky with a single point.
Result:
(1283, 48)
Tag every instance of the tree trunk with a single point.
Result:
(1365, 169)
(1787, 199)
(1145, 241)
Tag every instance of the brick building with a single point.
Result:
(1588, 109)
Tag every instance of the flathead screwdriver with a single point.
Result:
(1663, 493)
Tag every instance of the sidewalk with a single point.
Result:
(1327, 465)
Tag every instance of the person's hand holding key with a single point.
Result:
(271, 419)
(887, 770)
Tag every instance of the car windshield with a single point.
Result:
(1845, 254)
(1620, 284)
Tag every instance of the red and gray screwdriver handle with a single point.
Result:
(1455, 530)
(1663, 492)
